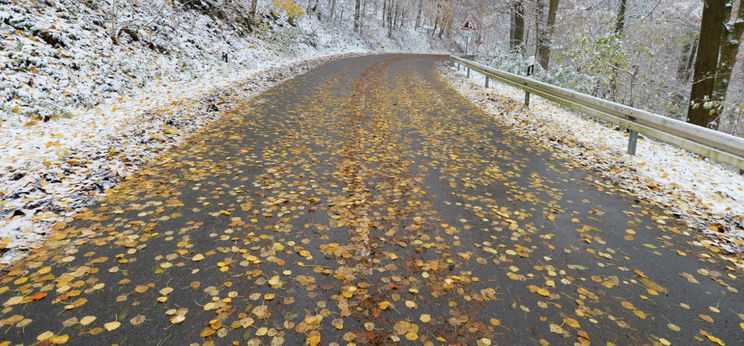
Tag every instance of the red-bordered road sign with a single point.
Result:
(469, 25)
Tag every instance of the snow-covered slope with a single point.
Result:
(81, 110)
(61, 55)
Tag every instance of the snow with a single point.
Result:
(710, 196)
(80, 115)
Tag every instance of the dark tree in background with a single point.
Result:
(731, 39)
(706, 64)
(546, 37)
(516, 31)
(358, 16)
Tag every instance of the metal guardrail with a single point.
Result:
(709, 143)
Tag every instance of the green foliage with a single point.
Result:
(600, 58)
(561, 76)
(288, 38)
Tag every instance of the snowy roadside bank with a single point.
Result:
(48, 171)
(709, 196)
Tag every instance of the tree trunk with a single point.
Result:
(436, 21)
(253, 9)
(384, 12)
(620, 22)
(517, 27)
(418, 14)
(390, 19)
(547, 36)
(731, 39)
(448, 28)
(357, 15)
(395, 16)
(333, 9)
(539, 34)
(442, 23)
(706, 64)
(619, 32)
(687, 58)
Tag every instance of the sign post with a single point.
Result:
(468, 28)
(530, 71)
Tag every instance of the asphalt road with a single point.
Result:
(365, 201)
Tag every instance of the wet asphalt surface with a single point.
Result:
(366, 201)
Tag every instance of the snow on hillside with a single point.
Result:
(58, 58)
(79, 111)
(710, 195)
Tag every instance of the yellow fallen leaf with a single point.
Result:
(59, 339)
(571, 322)
(87, 320)
(314, 338)
(556, 329)
(111, 325)
(137, 320)
(712, 338)
(44, 336)
(13, 301)
(706, 318)
(425, 318)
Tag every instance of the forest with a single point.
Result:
(677, 58)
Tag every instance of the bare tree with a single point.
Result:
(390, 18)
(731, 39)
(357, 15)
(436, 19)
(619, 32)
(384, 12)
(418, 13)
(687, 58)
(253, 9)
(546, 37)
(516, 40)
(620, 21)
(332, 10)
(699, 112)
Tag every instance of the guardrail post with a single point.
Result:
(632, 142)
(527, 99)
(468, 71)
(487, 81)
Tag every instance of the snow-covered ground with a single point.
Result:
(80, 112)
(710, 196)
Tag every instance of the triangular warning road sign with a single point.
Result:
(469, 25)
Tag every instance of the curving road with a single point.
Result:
(366, 201)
